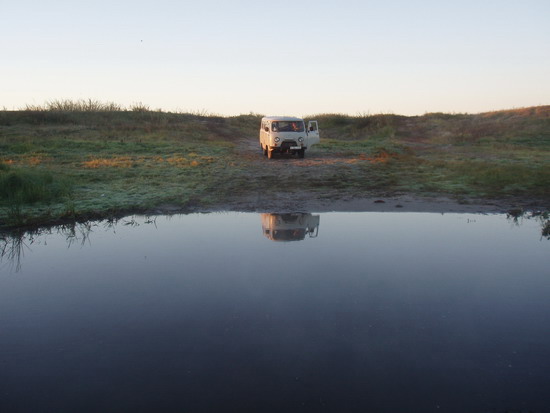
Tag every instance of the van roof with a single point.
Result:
(283, 118)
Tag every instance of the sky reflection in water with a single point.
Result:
(361, 312)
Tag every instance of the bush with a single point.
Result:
(27, 186)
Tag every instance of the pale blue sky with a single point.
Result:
(279, 57)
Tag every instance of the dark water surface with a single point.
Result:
(362, 312)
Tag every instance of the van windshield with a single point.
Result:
(287, 126)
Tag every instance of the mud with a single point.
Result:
(281, 202)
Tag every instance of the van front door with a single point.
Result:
(312, 133)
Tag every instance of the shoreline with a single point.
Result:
(305, 202)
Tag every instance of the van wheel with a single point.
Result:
(301, 153)
(269, 154)
(265, 150)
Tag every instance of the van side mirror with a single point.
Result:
(311, 128)
(266, 129)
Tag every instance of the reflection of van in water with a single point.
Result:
(290, 227)
(284, 134)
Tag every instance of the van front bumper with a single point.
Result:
(287, 146)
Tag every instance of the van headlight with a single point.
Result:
(300, 139)
(277, 139)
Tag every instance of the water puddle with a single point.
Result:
(346, 312)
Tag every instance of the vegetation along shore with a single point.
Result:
(71, 160)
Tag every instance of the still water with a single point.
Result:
(337, 312)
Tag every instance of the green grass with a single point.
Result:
(30, 185)
(86, 158)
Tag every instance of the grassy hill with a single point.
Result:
(74, 160)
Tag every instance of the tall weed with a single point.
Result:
(18, 186)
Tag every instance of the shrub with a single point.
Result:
(29, 186)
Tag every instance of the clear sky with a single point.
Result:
(296, 57)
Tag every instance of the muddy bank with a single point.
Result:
(326, 202)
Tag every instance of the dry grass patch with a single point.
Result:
(117, 162)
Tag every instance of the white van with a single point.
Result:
(284, 134)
